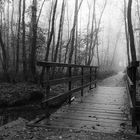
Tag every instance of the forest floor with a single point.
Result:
(18, 130)
(19, 94)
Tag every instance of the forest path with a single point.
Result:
(114, 81)
(105, 109)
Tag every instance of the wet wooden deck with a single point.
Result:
(104, 109)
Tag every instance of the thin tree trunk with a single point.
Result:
(49, 39)
(73, 33)
(98, 54)
(18, 38)
(40, 11)
(60, 31)
(97, 30)
(4, 59)
(69, 37)
(23, 43)
(52, 31)
(53, 47)
(34, 39)
(91, 34)
(87, 41)
(13, 37)
(8, 31)
(76, 41)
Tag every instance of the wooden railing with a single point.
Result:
(69, 79)
(131, 86)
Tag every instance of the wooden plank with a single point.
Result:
(97, 106)
(103, 102)
(94, 111)
(75, 128)
(85, 116)
(69, 122)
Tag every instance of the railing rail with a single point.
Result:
(69, 79)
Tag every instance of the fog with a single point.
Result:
(112, 42)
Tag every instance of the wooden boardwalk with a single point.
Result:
(105, 109)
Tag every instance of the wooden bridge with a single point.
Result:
(103, 108)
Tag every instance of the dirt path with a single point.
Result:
(18, 130)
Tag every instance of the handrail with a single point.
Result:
(54, 64)
(68, 79)
(131, 81)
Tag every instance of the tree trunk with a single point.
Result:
(49, 39)
(23, 43)
(7, 44)
(91, 35)
(34, 38)
(60, 31)
(4, 59)
(51, 33)
(126, 33)
(87, 41)
(97, 31)
(76, 41)
(13, 37)
(130, 30)
(73, 33)
(40, 11)
(18, 38)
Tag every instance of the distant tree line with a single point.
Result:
(23, 41)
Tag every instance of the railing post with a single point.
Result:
(134, 95)
(70, 74)
(47, 83)
(95, 76)
(82, 80)
(47, 113)
(90, 78)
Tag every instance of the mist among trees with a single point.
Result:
(66, 31)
